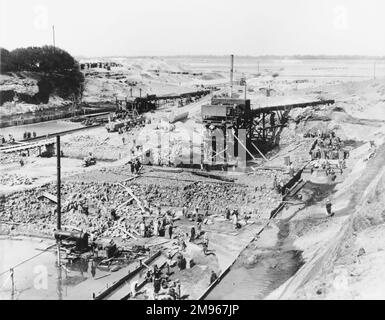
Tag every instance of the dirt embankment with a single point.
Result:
(21, 93)
(332, 247)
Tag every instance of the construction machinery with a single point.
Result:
(78, 240)
(225, 119)
(89, 161)
(114, 126)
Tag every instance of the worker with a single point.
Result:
(93, 268)
(169, 263)
(142, 228)
(227, 214)
(213, 277)
(235, 218)
(195, 218)
(134, 286)
(132, 167)
(113, 214)
(138, 165)
(246, 216)
(275, 182)
(184, 212)
(156, 271)
(182, 263)
(148, 276)
(192, 234)
(329, 212)
(291, 169)
(157, 285)
(205, 243)
(171, 291)
(178, 291)
(199, 228)
(156, 227)
(170, 227)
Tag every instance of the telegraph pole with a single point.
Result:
(374, 71)
(13, 284)
(231, 74)
(53, 36)
(58, 195)
(58, 209)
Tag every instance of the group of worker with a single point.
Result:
(329, 212)
(328, 146)
(11, 139)
(330, 171)
(29, 135)
(135, 166)
(234, 216)
(79, 204)
(163, 287)
(195, 215)
(279, 186)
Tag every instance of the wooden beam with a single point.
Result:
(131, 193)
(259, 151)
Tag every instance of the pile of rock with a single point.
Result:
(14, 180)
(108, 210)
(8, 158)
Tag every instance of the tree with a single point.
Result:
(59, 71)
(5, 61)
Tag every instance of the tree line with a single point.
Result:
(58, 71)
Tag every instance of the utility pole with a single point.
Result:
(13, 284)
(374, 71)
(53, 36)
(58, 195)
(59, 283)
(58, 209)
(231, 74)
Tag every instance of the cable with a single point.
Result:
(29, 259)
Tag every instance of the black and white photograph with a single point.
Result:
(192, 150)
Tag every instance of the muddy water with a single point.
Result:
(40, 278)
(260, 270)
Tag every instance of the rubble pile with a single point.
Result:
(89, 206)
(8, 158)
(100, 147)
(14, 180)
(168, 156)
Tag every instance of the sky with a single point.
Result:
(196, 27)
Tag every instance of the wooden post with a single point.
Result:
(58, 183)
